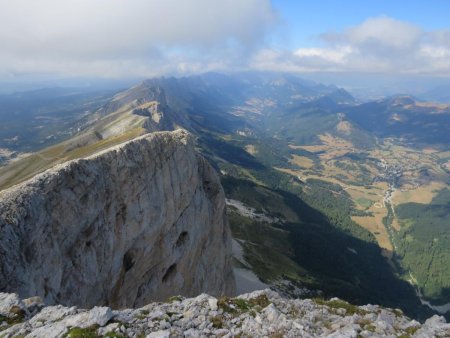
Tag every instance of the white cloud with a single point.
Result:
(377, 45)
(337, 55)
(384, 31)
(116, 37)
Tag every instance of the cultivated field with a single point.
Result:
(367, 178)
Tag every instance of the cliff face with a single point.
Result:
(139, 222)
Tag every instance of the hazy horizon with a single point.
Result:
(377, 48)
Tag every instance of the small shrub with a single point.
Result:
(412, 329)
(114, 335)
(78, 332)
(241, 304)
(217, 322)
(277, 335)
(261, 301)
(370, 328)
(174, 299)
(232, 305)
(224, 304)
(398, 312)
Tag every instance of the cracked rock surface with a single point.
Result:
(133, 224)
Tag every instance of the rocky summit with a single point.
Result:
(259, 314)
(135, 223)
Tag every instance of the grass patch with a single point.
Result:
(142, 314)
(78, 332)
(335, 304)
(239, 305)
(114, 335)
(174, 299)
(364, 202)
(18, 316)
(412, 329)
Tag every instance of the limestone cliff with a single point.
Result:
(136, 223)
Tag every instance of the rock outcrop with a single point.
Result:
(135, 223)
(258, 314)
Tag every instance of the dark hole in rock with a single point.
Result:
(182, 238)
(128, 260)
(169, 273)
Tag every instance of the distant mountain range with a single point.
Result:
(315, 162)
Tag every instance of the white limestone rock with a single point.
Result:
(9, 301)
(265, 314)
(135, 223)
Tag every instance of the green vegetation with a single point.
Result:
(114, 335)
(305, 124)
(364, 202)
(175, 299)
(142, 314)
(239, 305)
(423, 246)
(17, 315)
(77, 332)
(334, 202)
(314, 243)
(217, 322)
(335, 304)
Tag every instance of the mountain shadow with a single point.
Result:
(329, 259)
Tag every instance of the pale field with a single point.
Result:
(375, 225)
(383, 186)
(444, 154)
(334, 142)
(332, 154)
(396, 224)
(330, 144)
(411, 161)
(299, 173)
(250, 148)
(359, 192)
(332, 171)
(344, 127)
(423, 194)
(429, 151)
(289, 171)
(312, 149)
(336, 147)
(302, 161)
(429, 105)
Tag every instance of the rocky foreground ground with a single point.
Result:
(258, 314)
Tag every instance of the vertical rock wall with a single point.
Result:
(136, 223)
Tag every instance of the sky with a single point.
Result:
(142, 38)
